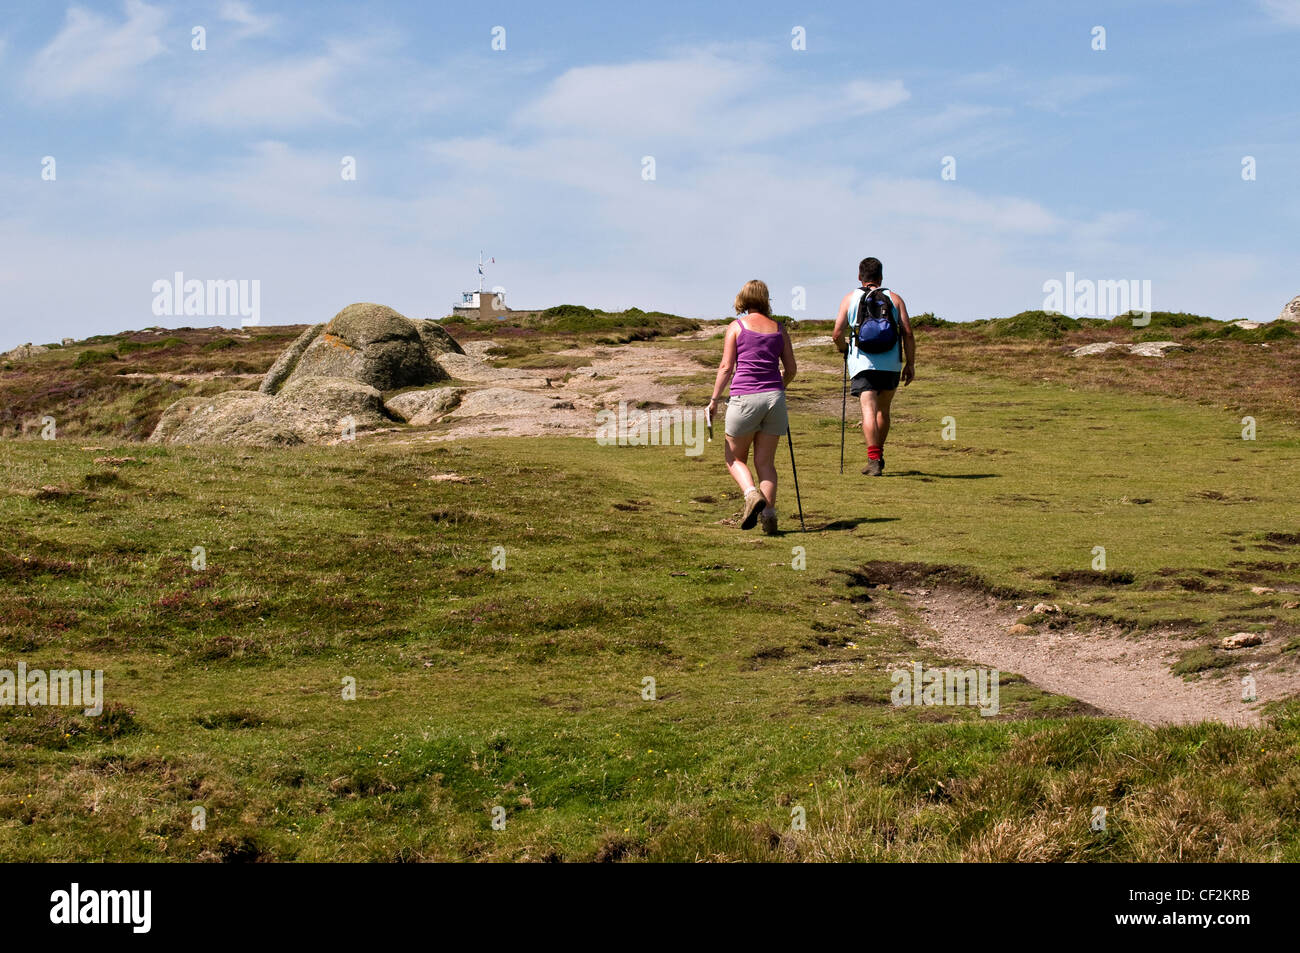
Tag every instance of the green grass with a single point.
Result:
(522, 688)
(91, 356)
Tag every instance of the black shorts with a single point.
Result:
(874, 380)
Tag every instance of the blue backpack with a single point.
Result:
(877, 330)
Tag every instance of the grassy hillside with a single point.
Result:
(118, 385)
(522, 688)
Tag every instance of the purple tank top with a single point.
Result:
(758, 362)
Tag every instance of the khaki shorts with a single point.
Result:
(754, 413)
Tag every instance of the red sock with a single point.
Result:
(875, 453)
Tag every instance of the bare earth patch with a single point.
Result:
(633, 373)
(1128, 676)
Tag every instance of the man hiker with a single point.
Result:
(875, 369)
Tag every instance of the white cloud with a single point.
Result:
(868, 97)
(90, 54)
(1049, 92)
(251, 24)
(703, 99)
(1286, 12)
(356, 80)
(1057, 92)
(658, 99)
(292, 93)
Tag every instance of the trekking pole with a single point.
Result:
(844, 403)
(790, 443)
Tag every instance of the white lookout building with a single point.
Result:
(481, 303)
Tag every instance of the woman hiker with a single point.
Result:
(754, 352)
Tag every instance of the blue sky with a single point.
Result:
(771, 162)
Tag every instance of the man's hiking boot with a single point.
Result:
(754, 503)
(875, 467)
(768, 521)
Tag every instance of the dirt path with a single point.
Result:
(1121, 675)
(511, 398)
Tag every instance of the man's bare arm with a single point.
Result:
(841, 324)
(909, 342)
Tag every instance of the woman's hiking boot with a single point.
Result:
(754, 503)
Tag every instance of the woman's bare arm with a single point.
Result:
(787, 357)
(726, 367)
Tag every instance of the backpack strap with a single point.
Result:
(853, 325)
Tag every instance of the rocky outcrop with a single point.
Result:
(327, 386)
(288, 360)
(422, 407)
(22, 351)
(311, 410)
(1144, 349)
(1156, 348)
(1101, 347)
(1292, 311)
(370, 343)
(437, 340)
(505, 402)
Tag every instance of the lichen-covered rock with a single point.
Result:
(314, 410)
(422, 407)
(373, 344)
(328, 384)
(436, 338)
(1143, 349)
(503, 402)
(1292, 311)
(232, 417)
(320, 408)
(1156, 348)
(1101, 347)
(288, 360)
(22, 351)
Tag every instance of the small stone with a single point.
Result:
(1242, 640)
